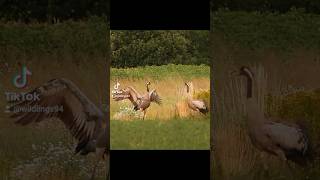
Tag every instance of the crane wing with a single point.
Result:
(287, 137)
(154, 97)
(73, 108)
(199, 104)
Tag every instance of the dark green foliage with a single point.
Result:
(267, 5)
(41, 10)
(254, 30)
(140, 48)
(83, 37)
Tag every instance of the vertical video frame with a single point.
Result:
(160, 90)
(266, 66)
(54, 107)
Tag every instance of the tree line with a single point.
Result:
(140, 48)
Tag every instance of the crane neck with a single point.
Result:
(255, 114)
(148, 88)
(249, 86)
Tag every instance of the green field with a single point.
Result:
(156, 134)
(163, 127)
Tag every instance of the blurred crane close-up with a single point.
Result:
(85, 121)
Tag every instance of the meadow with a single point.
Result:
(284, 53)
(168, 126)
(45, 150)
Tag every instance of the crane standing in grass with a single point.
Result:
(288, 142)
(139, 102)
(195, 104)
(75, 110)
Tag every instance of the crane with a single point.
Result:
(284, 140)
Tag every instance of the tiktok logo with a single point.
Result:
(20, 80)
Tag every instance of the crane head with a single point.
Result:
(189, 86)
(245, 71)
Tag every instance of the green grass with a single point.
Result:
(157, 134)
(162, 72)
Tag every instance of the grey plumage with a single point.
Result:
(77, 112)
(287, 141)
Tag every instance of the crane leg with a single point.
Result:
(284, 159)
(144, 114)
